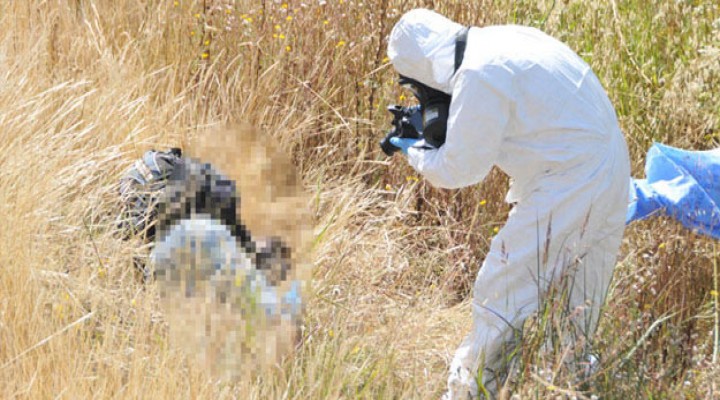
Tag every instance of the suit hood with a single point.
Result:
(422, 47)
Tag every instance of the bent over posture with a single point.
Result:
(526, 103)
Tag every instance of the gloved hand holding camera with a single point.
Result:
(403, 144)
(427, 120)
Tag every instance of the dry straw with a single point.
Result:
(86, 86)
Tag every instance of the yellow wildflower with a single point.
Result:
(496, 230)
(207, 42)
(288, 48)
(284, 6)
(176, 3)
(402, 97)
(288, 18)
(388, 187)
(192, 33)
(59, 310)
(331, 333)
(483, 202)
(281, 36)
(340, 43)
(714, 293)
(197, 15)
(326, 22)
(205, 55)
(386, 60)
(277, 27)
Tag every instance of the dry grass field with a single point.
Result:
(86, 86)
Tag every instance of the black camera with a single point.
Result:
(407, 124)
(427, 120)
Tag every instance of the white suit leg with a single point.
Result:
(546, 235)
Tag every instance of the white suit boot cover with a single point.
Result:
(461, 383)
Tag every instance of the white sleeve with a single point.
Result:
(478, 117)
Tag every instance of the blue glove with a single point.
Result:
(403, 144)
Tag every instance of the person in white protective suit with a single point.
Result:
(526, 103)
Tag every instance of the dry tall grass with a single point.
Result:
(86, 86)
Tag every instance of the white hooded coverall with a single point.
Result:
(526, 103)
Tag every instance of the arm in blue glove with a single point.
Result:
(403, 144)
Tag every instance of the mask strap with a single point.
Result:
(460, 45)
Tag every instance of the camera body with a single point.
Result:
(407, 124)
(427, 120)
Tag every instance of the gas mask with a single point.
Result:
(434, 106)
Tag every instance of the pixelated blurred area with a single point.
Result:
(273, 202)
(231, 255)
